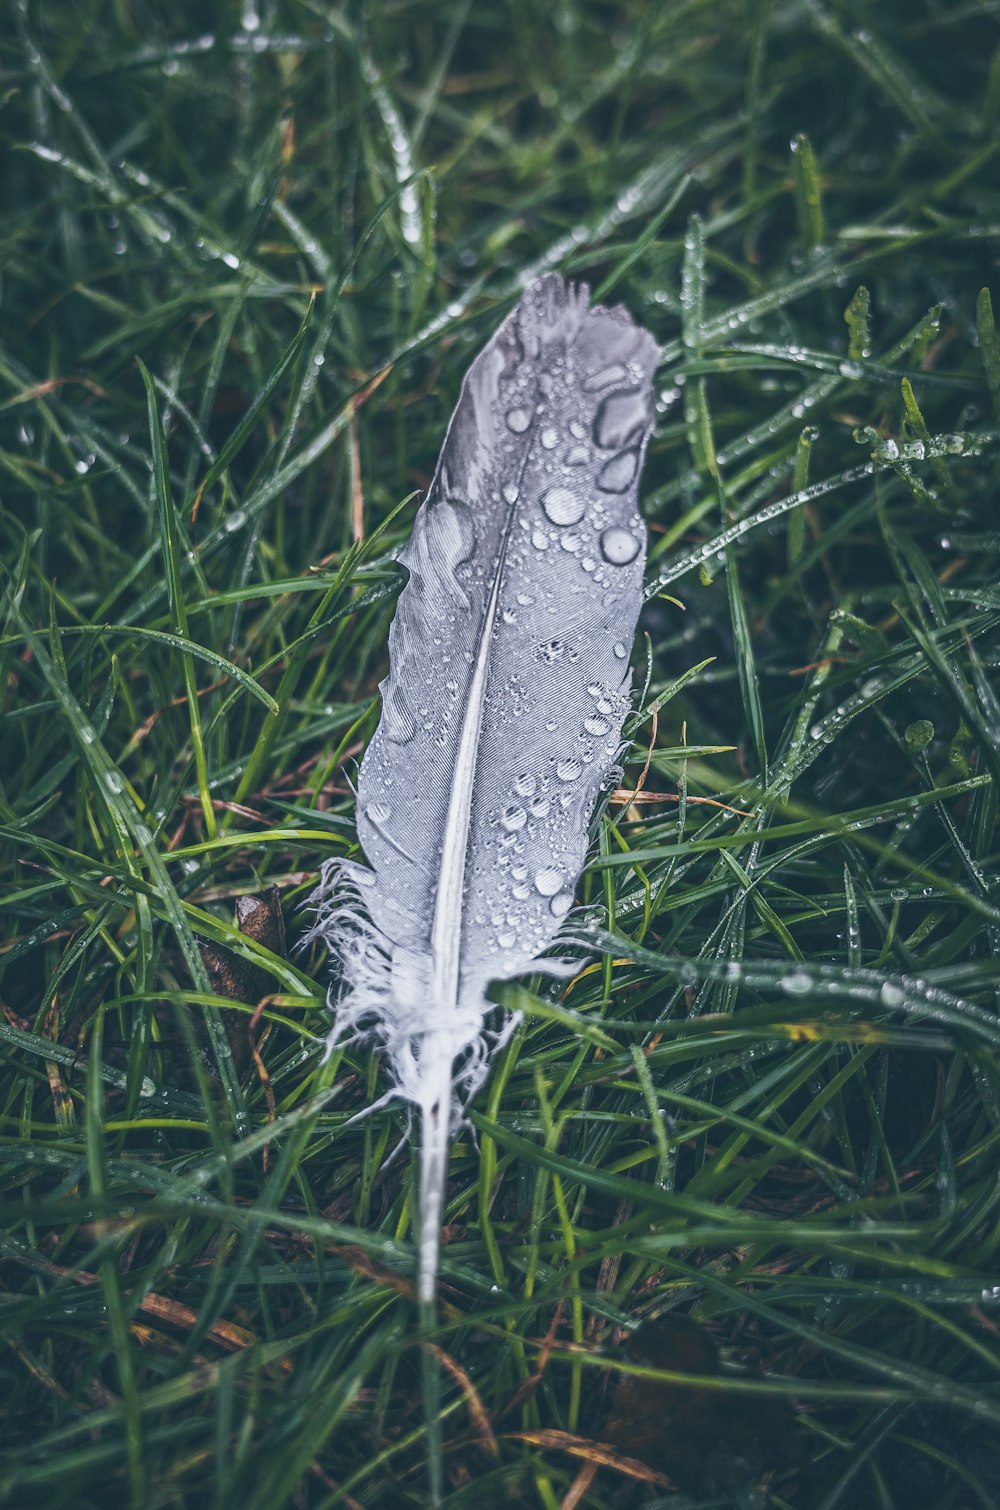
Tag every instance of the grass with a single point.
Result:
(247, 254)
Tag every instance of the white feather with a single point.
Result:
(502, 710)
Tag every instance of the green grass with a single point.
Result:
(247, 254)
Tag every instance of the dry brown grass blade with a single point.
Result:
(596, 1453)
(477, 1410)
(225, 1333)
(528, 1386)
(622, 797)
(574, 1494)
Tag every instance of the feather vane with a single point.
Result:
(502, 710)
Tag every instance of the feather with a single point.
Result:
(503, 707)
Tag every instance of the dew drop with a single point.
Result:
(525, 785)
(621, 650)
(513, 818)
(561, 904)
(621, 418)
(577, 456)
(550, 652)
(521, 891)
(378, 813)
(540, 540)
(549, 438)
(506, 940)
(596, 725)
(616, 475)
(588, 563)
(548, 881)
(563, 507)
(509, 616)
(796, 984)
(576, 429)
(518, 420)
(570, 543)
(891, 995)
(618, 546)
(540, 807)
(510, 492)
(614, 374)
(568, 769)
(525, 599)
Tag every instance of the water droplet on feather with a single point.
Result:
(619, 547)
(563, 507)
(622, 418)
(596, 725)
(548, 881)
(614, 374)
(518, 420)
(617, 474)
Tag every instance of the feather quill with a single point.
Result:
(502, 710)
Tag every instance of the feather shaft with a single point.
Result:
(446, 934)
(435, 1141)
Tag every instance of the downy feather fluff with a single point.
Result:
(502, 710)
